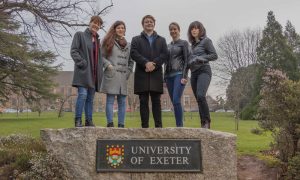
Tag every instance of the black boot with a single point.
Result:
(78, 122)
(111, 124)
(89, 123)
(206, 124)
(202, 123)
(121, 125)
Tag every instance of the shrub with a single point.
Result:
(293, 171)
(256, 131)
(45, 166)
(23, 157)
(249, 112)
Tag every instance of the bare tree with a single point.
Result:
(236, 49)
(27, 27)
(42, 19)
(133, 100)
(62, 101)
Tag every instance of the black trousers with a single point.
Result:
(156, 108)
(200, 81)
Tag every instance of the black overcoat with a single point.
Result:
(142, 52)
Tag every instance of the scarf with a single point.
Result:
(95, 56)
(122, 42)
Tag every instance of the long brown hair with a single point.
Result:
(198, 25)
(109, 39)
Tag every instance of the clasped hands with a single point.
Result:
(150, 66)
(110, 67)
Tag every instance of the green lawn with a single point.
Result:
(31, 123)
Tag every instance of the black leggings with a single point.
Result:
(200, 81)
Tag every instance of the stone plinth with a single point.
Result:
(75, 148)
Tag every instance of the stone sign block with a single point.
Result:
(76, 149)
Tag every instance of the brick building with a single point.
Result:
(69, 95)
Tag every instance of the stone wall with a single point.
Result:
(75, 148)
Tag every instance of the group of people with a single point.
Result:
(105, 67)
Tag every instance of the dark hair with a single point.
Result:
(174, 24)
(198, 25)
(109, 39)
(96, 19)
(148, 16)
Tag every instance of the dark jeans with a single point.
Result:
(175, 89)
(200, 81)
(144, 108)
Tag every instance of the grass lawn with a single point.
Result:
(31, 123)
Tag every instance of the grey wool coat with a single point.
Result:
(115, 80)
(81, 53)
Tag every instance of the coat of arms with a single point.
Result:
(115, 155)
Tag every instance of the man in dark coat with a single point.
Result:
(88, 69)
(149, 51)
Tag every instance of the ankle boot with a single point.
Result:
(206, 124)
(202, 124)
(121, 125)
(78, 122)
(89, 123)
(111, 124)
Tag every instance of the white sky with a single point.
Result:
(218, 16)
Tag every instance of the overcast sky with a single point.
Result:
(218, 17)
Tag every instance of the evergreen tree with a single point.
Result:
(293, 39)
(24, 68)
(274, 51)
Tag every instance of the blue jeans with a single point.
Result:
(110, 99)
(85, 99)
(175, 89)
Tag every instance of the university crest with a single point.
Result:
(115, 155)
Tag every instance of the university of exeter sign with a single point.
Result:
(148, 155)
(143, 153)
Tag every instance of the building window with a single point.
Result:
(187, 100)
(14, 102)
(62, 90)
(69, 91)
(165, 103)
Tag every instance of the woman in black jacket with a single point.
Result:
(176, 70)
(202, 52)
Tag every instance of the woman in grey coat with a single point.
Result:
(85, 51)
(117, 68)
